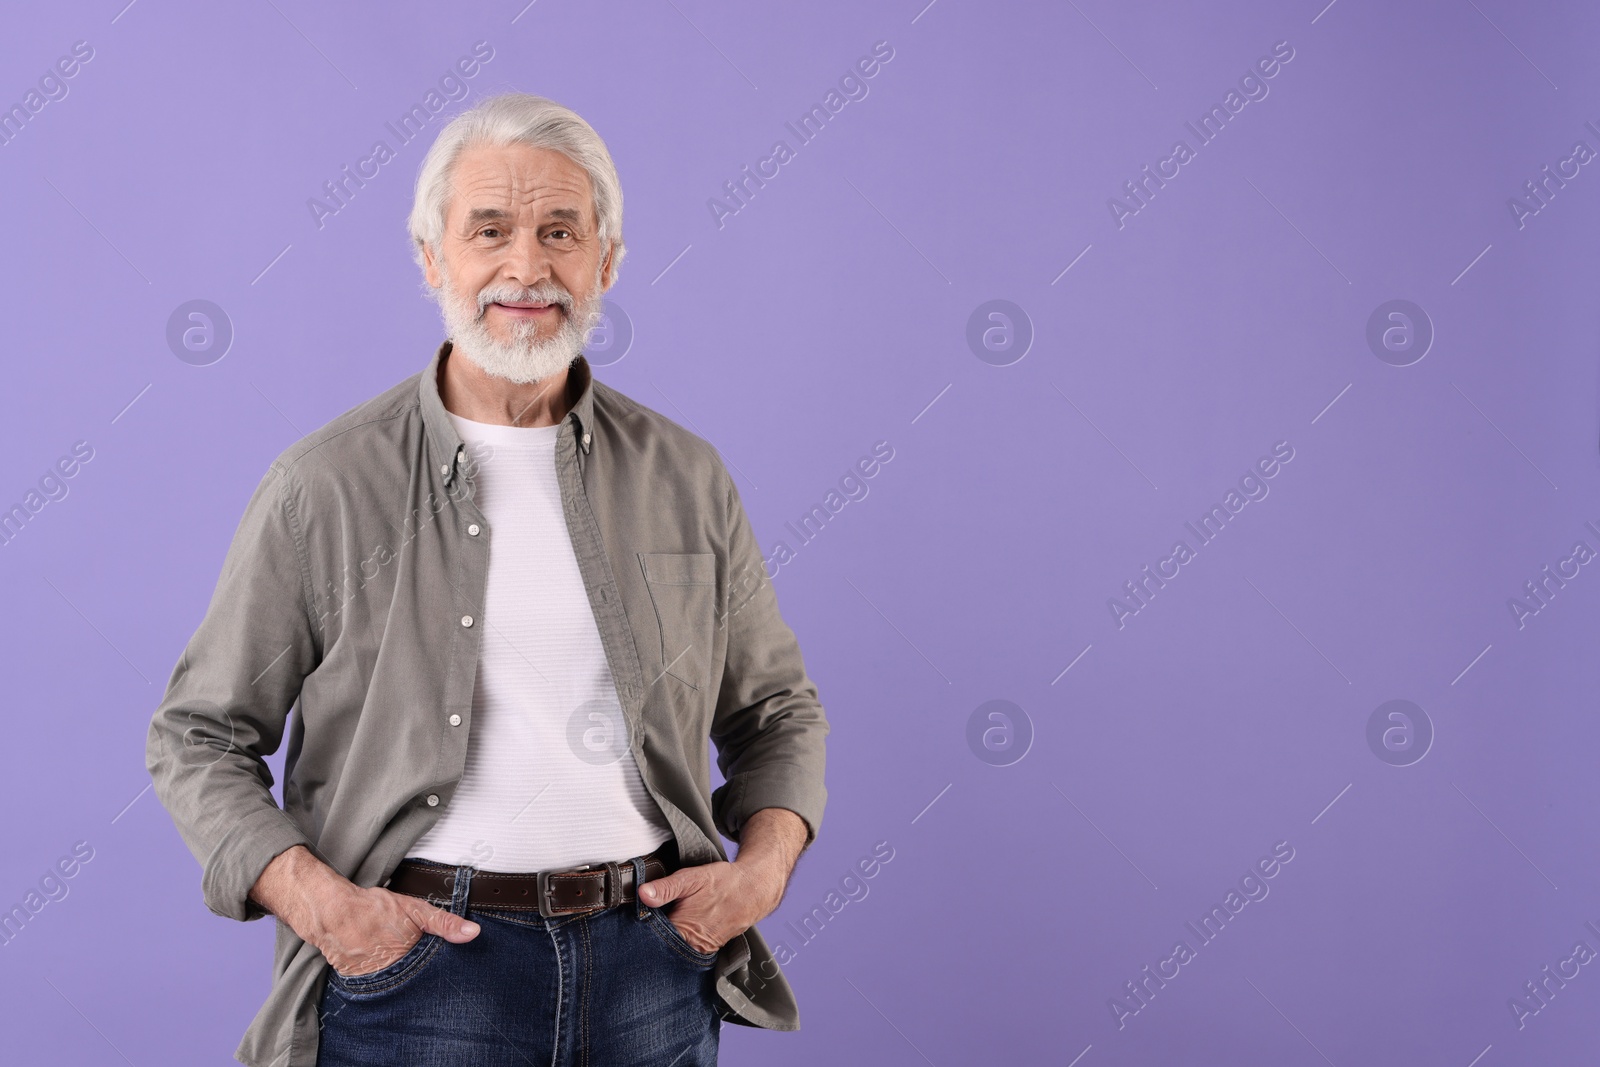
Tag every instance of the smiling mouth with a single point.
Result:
(527, 310)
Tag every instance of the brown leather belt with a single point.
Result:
(589, 888)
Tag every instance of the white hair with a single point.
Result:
(510, 119)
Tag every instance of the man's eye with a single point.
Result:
(488, 230)
(567, 233)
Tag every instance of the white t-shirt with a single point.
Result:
(550, 779)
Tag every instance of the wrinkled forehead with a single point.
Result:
(518, 184)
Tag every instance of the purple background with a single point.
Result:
(830, 313)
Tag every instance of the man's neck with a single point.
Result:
(468, 392)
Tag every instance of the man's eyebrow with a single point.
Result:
(480, 215)
(565, 214)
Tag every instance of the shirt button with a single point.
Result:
(433, 800)
(466, 620)
(444, 468)
(473, 529)
(585, 440)
(455, 720)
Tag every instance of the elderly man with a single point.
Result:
(514, 606)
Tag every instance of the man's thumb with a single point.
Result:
(661, 890)
(449, 925)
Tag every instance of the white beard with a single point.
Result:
(524, 359)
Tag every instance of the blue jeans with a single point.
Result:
(613, 988)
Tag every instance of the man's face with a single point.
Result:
(520, 268)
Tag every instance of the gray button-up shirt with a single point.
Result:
(345, 587)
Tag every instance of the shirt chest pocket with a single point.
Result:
(683, 588)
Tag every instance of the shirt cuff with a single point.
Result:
(241, 856)
(787, 787)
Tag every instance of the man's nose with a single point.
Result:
(527, 260)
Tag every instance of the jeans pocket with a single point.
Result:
(396, 974)
(673, 939)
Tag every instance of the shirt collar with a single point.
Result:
(447, 443)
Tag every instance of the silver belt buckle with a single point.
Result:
(542, 888)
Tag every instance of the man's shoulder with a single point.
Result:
(651, 433)
(374, 428)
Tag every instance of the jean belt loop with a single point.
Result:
(638, 882)
(463, 886)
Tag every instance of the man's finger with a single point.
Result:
(667, 888)
(447, 924)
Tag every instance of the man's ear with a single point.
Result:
(605, 267)
(435, 279)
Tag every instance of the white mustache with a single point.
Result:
(563, 299)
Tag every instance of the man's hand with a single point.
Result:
(717, 902)
(359, 930)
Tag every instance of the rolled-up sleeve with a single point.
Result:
(228, 699)
(768, 726)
